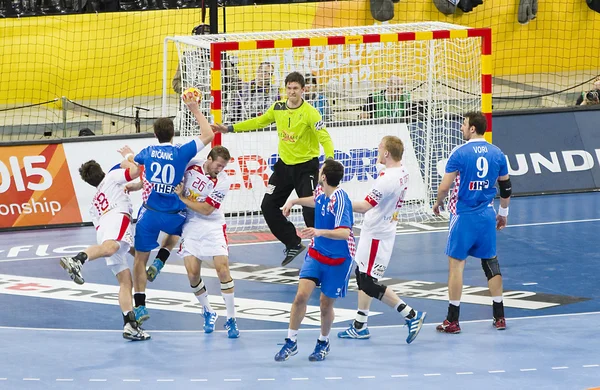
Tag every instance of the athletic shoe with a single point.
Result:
(292, 253)
(133, 332)
(232, 329)
(353, 333)
(448, 327)
(153, 271)
(499, 323)
(141, 314)
(210, 317)
(290, 348)
(414, 325)
(321, 350)
(73, 267)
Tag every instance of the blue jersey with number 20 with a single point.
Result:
(164, 166)
(479, 165)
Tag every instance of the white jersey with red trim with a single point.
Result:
(111, 195)
(199, 187)
(386, 197)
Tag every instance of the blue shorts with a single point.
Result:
(151, 222)
(333, 279)
(472, 235)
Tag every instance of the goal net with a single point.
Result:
(413, 81)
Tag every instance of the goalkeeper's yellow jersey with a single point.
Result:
(300, 131)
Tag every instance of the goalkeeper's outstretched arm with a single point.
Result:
(248, 125)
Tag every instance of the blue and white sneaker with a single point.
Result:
(210, 317)
(321, 350)
(414, 325)
(153, 271)
(232, 329)
(141, 314)
(290, 348)
(353, 333)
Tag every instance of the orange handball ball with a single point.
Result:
(195, 92)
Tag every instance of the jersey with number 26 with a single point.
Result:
(479, 164)
(164, 167)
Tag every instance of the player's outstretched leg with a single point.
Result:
(139, 286)
(74, 264)
(131, 329)
(161, 257)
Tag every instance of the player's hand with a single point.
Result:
(218, 128)
(125, 150)
(500, 222)
(437, 207)
(310, 233)
(179, 189)
(190, 101)
(287, 208)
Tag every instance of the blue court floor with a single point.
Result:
(56, 334)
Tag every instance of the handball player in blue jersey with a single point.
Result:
(164, 167)
(329, 258)
(474, 167)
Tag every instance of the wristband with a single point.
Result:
(230, 129)
(503, 212)
(129, 156)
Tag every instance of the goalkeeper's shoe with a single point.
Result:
(353, 333)
(132, 331)
(73, 267)
(153, 271)
(292, 253)
(290, 348)
(414, 325)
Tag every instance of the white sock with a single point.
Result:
(323, 338)
(455, 303)
(404, 312)
(229, 305)
(497, 299)
(126, 312)
(203, 299)
(292, 334)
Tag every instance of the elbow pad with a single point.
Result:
(505, 188)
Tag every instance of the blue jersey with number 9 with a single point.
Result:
(479, 164)
(164, 166)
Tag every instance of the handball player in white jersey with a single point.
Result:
(376, 243)
(111, 214)
(204, 236)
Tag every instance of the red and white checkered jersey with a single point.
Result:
(199, 187)
(454, 195)
(111, 195)
(146, 186)
(386, 197)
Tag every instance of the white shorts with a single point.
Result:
(373, 255)
(204, 240)
(116, 226)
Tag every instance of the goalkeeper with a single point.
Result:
(300, 129)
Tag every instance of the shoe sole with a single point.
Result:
(355, 338)
(409, 339)
(143, 319)
(288, 356)
(235, 336)
(443, 331)
(133, 338)
(152, 273)
(311, 359)
(66, 267)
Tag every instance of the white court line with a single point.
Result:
(265, 379)
(399, 234)
(465, 373)
(333, 377)
(367, 377)
(198, 380)
(64, 380)
(436, 374)
(285, 330)
(560, 368)
(399, 376)
(528, 369)
(97, 380)
(590, 365)
(496, 371)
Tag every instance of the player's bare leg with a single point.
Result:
(492, 271)
(193, 268)
(74, 264)
(290, 348)
(139, 285)
(131, 329)
(455, 283)
(157, 265)
(227, 292)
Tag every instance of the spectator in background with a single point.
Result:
(255, 97)
(388, 103)
(316, 99)
(590, 97)
(85, 132)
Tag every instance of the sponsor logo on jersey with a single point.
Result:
(479, 185)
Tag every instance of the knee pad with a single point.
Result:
(369, 285)
(226, 285)
(199, 287)
(491, 267)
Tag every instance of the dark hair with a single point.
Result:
(85, 132)
(333, 171)
(91, 172)
(394, 146)
(295, 77)
(164, 130)
(219, 151)
(201, 29)
(310, 79)
(477, 119)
